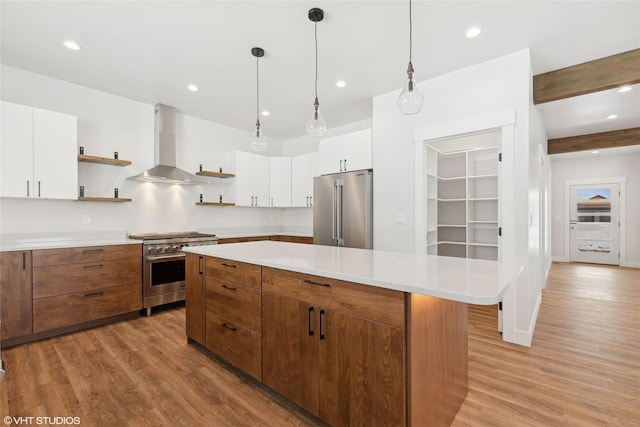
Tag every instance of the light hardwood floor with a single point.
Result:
(582, 369)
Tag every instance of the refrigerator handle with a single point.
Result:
(334, 233)
(340, 187)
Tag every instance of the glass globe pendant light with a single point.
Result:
(316, 125)
(411, 99)
(258, 142)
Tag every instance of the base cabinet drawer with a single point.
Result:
(78, 307)
(237, 345)
(234, 271)
(237, 303)
(65, 256)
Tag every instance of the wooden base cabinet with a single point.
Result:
(16, 294)
(195, 297)
(325, 348)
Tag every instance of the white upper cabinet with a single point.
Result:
(39, 158)
(303, 169)
(348, 152)
(251, 182)
(280, 181)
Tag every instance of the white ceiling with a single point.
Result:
(151, 50)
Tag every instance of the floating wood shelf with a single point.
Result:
(214, 204)
(215, 174)
(103, 160)
(103, 199)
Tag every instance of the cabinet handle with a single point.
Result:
(229, 265)
(94, 294)
(28, 185)
(38, 188)
(307, 200)
(256, 200)
(200, 265)
(271, 201)
(24, 260)
(311, 282)
(345, 165)
(340, 165)
(184, 285)
(92, 251)
(310, 200)
(93, 266)
(321, 333)
(227, 287)
(309, 322)
(224, 325)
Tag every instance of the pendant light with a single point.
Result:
(316, 125)
(258, 142)
(411, 99)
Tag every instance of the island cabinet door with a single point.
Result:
(195, 297)
(290, 349)
(361, 371)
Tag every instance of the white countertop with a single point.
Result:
(459, 279)
(35, 241)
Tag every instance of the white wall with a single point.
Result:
(493, 86)
(108, 123)
(592, 166)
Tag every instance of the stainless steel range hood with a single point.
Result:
(165, 170)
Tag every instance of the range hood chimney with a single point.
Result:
(165, 170)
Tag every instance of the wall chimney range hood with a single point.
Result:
(165, 170)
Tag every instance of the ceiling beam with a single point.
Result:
(593, 76)
(594, 141)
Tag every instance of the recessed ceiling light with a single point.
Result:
(192, 88)
(472, 32)
(70, 44)
(612, 116)
(624, 89)
(341, 83)
(265, 113)
(595, 152)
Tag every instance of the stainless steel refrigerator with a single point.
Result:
(343, 209)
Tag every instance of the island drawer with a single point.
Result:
(47, 257)
(237, 303)
(78, 307)
(369, 302)
(237, 345)
(63, 279)
(234, 271)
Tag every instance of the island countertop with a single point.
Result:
(459, 279)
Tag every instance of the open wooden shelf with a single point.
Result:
(215, 174)
(103, 160)
(214, 204)
(103, 199)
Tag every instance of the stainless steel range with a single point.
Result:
(163, 264)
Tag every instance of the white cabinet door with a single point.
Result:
(351, 151)
(55, 162)
(261, 181)
(280, 181)
(16, 154)
(303, 169)
(251, 182)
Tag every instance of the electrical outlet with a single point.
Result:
(86, 219)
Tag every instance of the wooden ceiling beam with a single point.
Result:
(593, 76)
(594, 141)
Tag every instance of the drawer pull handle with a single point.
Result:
(311, 282)
(94, 294)
(93, 266)
(229, 288)
(309, 327)
(92, 251)
(229, 265)
(321, 316)
(183, 286)
(224, 325)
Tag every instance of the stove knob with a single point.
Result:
(152, 249)
(159, 249)
(176, 248)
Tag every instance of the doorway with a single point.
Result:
(594, 223)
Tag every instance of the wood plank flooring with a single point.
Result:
(582, 369)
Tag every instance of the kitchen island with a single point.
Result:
(356, 337)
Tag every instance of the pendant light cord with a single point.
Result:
(316, 40)
(410, 32)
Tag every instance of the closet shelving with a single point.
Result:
(463, 202)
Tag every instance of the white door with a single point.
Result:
(594, 227)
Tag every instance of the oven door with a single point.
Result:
(163, 274)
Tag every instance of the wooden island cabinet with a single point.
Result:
(351, 352)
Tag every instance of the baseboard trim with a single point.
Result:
(559, 259)
(631, 264)
(524, 337)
